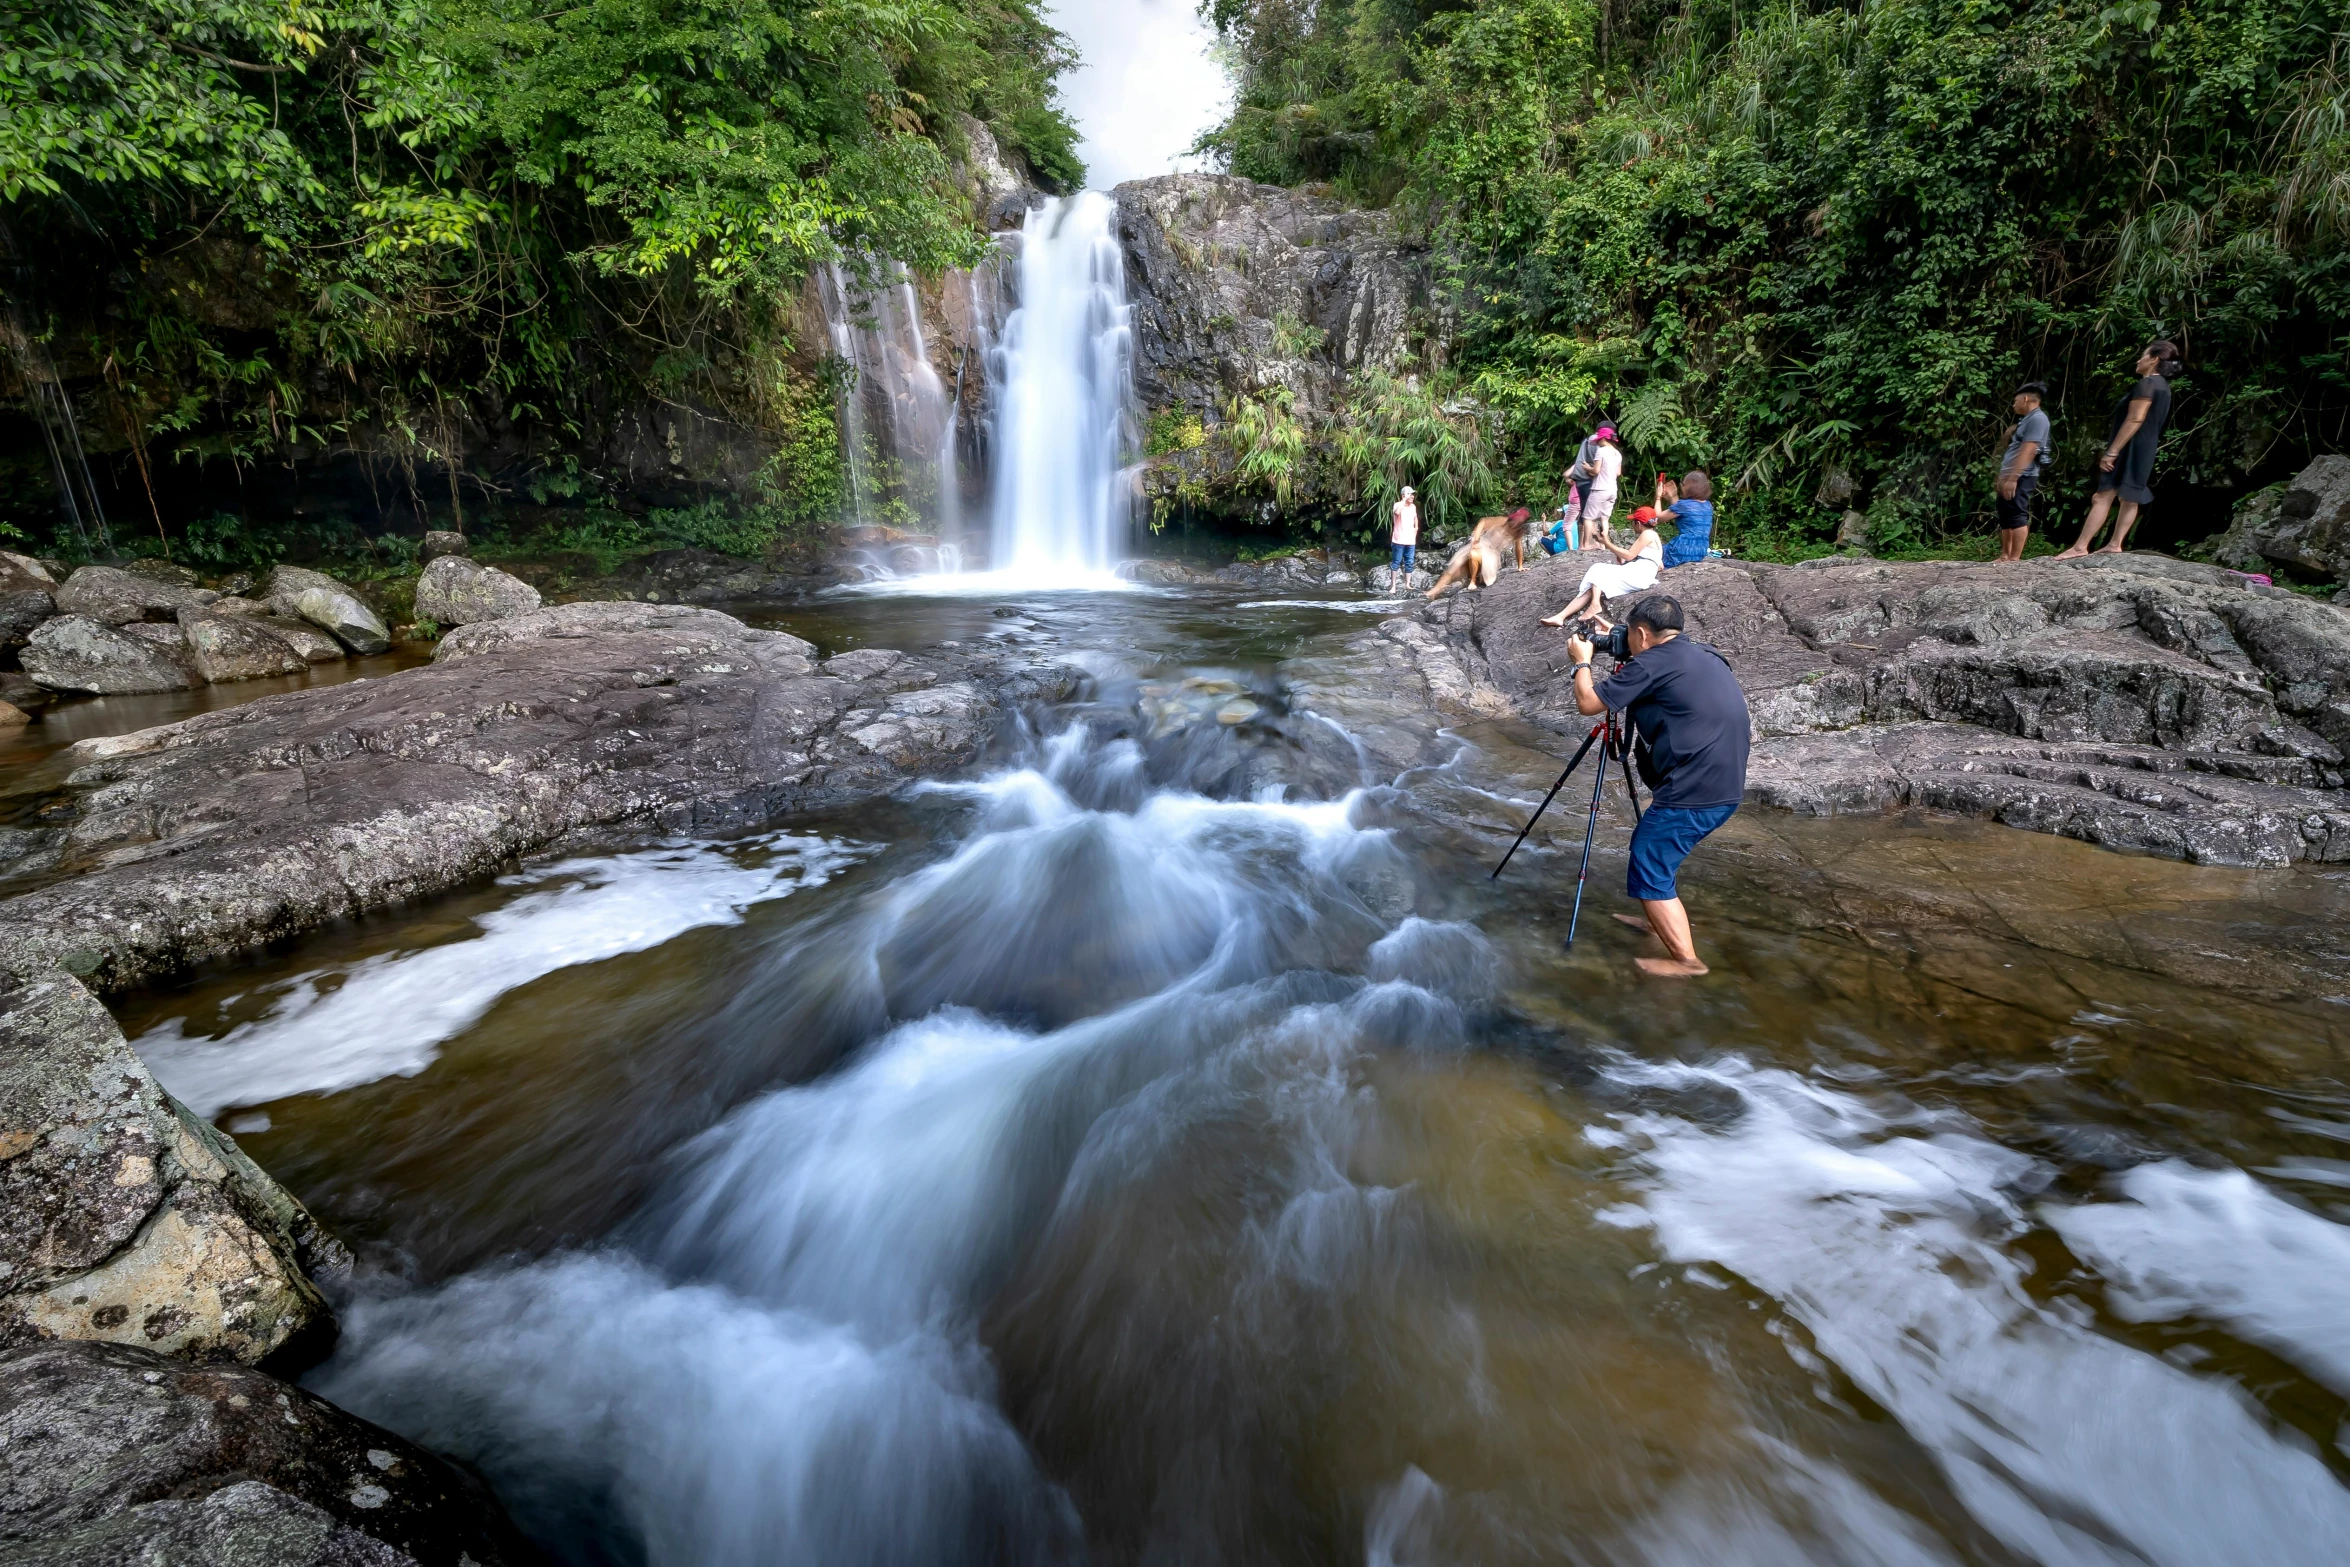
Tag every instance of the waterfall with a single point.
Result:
(1065, 410)
(897, 416)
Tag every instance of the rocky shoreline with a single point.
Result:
(2137, 702)
(129, 1221)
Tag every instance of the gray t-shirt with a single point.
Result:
(2031, 427)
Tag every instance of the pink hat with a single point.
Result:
(1606, 432)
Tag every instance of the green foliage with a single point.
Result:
(1267, 442)
(1395, 431)
(1814, 234)
(272, 229)
(1173, 430)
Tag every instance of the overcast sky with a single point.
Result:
(1146, 87)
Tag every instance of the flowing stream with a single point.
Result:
(1165, 1144)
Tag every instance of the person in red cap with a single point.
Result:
(1631, 571)
(1597, 469)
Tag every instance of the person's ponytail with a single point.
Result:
(2166, 354)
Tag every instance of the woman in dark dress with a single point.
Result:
(2126, 467)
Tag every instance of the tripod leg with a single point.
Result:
(1546, 799)
(1590, 830)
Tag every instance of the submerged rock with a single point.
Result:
(227, 648)
(324, 602)
(2137, 701)
(113, 1454)
(77, 653)
(123, 1217)
(456, 591)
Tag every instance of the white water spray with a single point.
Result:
(1065, 420)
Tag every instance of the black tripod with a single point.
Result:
(1609, 730)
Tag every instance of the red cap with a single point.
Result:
(1645, 514)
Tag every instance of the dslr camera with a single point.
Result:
(1615, 641)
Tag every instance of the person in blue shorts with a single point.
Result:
(1694, 733)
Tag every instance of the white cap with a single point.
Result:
(1407, 492)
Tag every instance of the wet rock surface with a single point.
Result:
(456, 591)
(111, 1454)
(2139, 702)
(124, 1218)
(201, 838)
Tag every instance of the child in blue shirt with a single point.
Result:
(1691, 506)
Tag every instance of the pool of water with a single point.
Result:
(1168, 1143)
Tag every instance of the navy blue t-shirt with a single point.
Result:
(1687, 706)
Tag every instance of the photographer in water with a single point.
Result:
(1694, 734)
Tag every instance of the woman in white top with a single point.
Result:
(1632, 570)
(1599, 491)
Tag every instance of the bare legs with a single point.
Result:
(2098, 506)
(1670, 922)
(2012, 542)
(1586, 602)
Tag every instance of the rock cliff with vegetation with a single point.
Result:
(1813, 248)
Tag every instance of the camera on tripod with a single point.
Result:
(1615, 641)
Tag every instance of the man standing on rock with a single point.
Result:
(1598, 469)
(1693, 738)
(1404, 539)
(2019, 470)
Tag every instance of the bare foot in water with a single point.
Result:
(1637, 923)
(1671, 968)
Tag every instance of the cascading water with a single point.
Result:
(1065, 425)
(898, 418)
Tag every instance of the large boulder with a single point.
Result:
(456, 591)
(123, 1217)
(201, 838)
(318, 598)
(2138, 701)
(27, 597)
(314, 645)
(113, 1454)
(114, 597)
(226, 648)
(77, 653)
(2303, 526)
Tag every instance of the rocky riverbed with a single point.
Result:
(129, 1220)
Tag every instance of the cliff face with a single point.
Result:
(1238, 288)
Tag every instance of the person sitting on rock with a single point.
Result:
(1477, 563)
(1632, 570)
(1691, 506)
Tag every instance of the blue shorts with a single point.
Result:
(1663, 840)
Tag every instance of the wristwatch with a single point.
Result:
(1579, 668)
